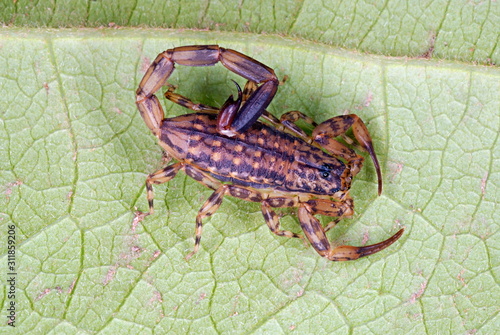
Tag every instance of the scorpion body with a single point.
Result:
(261, 157)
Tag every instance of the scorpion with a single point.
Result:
(242, 150)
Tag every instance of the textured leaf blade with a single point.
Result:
(75, 153)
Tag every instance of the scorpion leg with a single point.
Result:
(343, 208)
(338, 125)
(206, 55)
(187, 103)
(273, 221)
(160, 177)
(336, 209)
(316, 236)
(209, 207)
(250, 87)
(270, 216)
(215, 200)
(286, 122)
(290, 118)
(332, 224)
(202, 177)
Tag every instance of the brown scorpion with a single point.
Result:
(243, 151)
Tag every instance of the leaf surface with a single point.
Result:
(453, 29)
(75, 153)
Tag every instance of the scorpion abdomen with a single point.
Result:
(258, 158)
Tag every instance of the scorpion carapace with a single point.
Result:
(270, 161)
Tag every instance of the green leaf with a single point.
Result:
(74, 154)
(460, 30)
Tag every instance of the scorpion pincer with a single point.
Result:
(268, 160)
